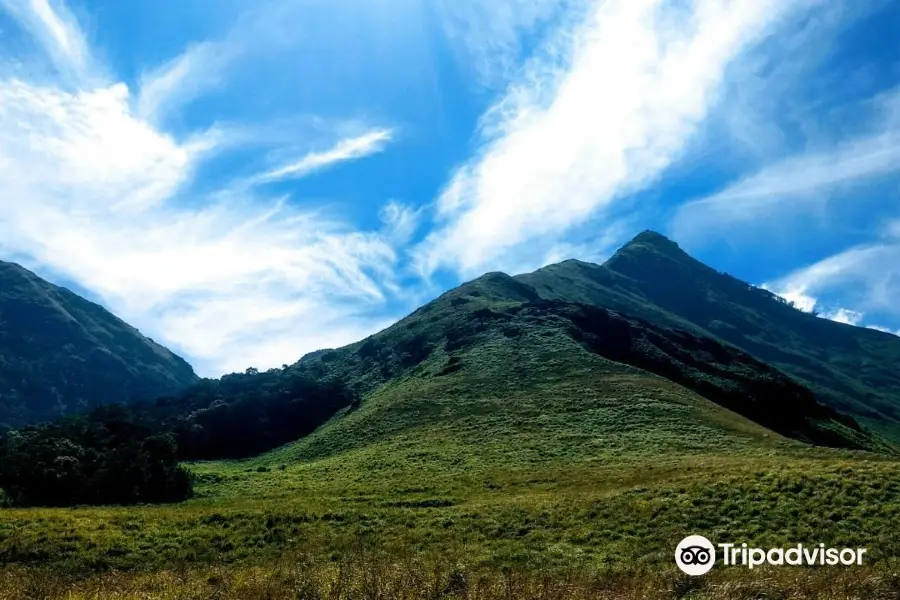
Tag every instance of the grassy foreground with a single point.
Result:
(475, 496)
(364, 576)
(575, 478)
(310, 532)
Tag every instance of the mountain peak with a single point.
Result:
(647, 249)
(654, 239)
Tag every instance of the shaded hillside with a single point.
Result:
(490, 347)
(61, 354)
(498, 309)
(849, 368)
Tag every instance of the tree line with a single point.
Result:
(126, 454)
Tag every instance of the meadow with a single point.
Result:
(472, 495)
(489, 458)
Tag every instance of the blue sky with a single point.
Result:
(249, 181)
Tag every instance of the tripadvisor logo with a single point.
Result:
(696, 555)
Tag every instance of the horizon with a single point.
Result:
(443, 141)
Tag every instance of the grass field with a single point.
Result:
(532, 468)
(568, 488)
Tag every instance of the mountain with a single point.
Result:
(497, 310)
(491, 352)
(494, 431)
(648, 343)
(61, 354)
(850, 369)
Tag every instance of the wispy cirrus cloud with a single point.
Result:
(779, 90)
(258, 32)
(491, 36)
(401, 221)
(94, 193)
(348, 149)
(797, 181)
(598, 113)
(55, 28)
(171, 85)
(87, 191)
(853, 286)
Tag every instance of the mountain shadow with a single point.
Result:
(501, 309)
(850, 369)
(61, 354)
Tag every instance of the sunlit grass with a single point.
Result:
(567, 487)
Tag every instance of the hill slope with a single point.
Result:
(851, 369)
(496, 434)
(489, 353)
(500, 313)
(60, 354)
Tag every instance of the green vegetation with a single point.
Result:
(125, 454)
(851, 369)
(110, 459)
(61, 355)
(585, 485)
(497, 443)
(243, 415)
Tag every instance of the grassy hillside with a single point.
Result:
(60, 354)
(496, 452)
(851, 369)
(567, 488)
(130, 454)
(435, 340)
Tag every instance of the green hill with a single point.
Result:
(497, 310)
(492, 338)
(60, 354)
(496, 443)
(851, 369)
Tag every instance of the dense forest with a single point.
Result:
(125, 454)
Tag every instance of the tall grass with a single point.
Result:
(364, 574)
(379, 578)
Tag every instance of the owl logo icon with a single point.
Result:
(695, 555)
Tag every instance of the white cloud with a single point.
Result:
(347, 149)
(781, 90)
(600, 112)
(85, 140)
(56, 29)
(92, 191)
(884, 329)
(833, 270)
(799, 299)
(844, 315)
(491, 36)
(792, 183)
(258, 32)
(866, 278)
(183, 79)
(795, 288)
(87, 191)
(400, 221)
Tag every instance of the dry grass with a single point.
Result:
(359, 576)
